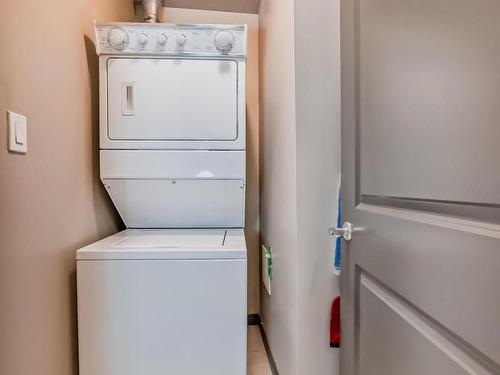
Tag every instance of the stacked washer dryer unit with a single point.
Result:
(168, 295)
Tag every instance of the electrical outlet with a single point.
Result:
(267, 268)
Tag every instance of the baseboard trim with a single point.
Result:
(254, 320)
(272, 364)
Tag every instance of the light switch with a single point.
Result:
(18, 140)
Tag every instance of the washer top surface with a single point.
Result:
(151, 244)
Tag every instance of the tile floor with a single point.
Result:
(257, 357)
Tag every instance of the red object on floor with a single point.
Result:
(335, 323)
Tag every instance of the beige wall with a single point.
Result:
(51, 200)
(175, 15)
(278, 178)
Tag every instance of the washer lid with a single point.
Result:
(150, 244)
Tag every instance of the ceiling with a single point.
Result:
(241, 6)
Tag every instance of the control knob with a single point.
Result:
(162, 39)
(181, 40)
(117, 38)
(224, 41)
(143, 39)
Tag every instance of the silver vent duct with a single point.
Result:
(151, 9)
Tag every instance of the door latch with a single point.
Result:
(345, 232)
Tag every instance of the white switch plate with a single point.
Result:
(18, 132)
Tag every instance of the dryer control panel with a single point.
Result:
(170, 39)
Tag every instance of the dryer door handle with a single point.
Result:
(128, 99)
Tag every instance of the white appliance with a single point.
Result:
(163, 302)
(172, 123)
(168, 295)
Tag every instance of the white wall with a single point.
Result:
(301, 165)
(278, 177)
(317, 82)
(241, 6)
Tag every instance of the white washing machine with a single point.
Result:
(168, 295)
(163, 302)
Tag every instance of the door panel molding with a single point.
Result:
(483, 212)
(458, 224)
(467, 357)
(452, 108)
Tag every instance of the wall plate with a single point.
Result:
(18, 132)
(267, 268)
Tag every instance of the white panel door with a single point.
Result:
(172, 99)
(421, 177)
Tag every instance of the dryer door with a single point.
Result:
(172, 99)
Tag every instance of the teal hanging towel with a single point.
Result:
(338, 242)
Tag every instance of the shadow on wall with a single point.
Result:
(74, 325)
(98, 187)
(252, 230)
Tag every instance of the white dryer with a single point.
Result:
(172, 123)
(168, 295)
